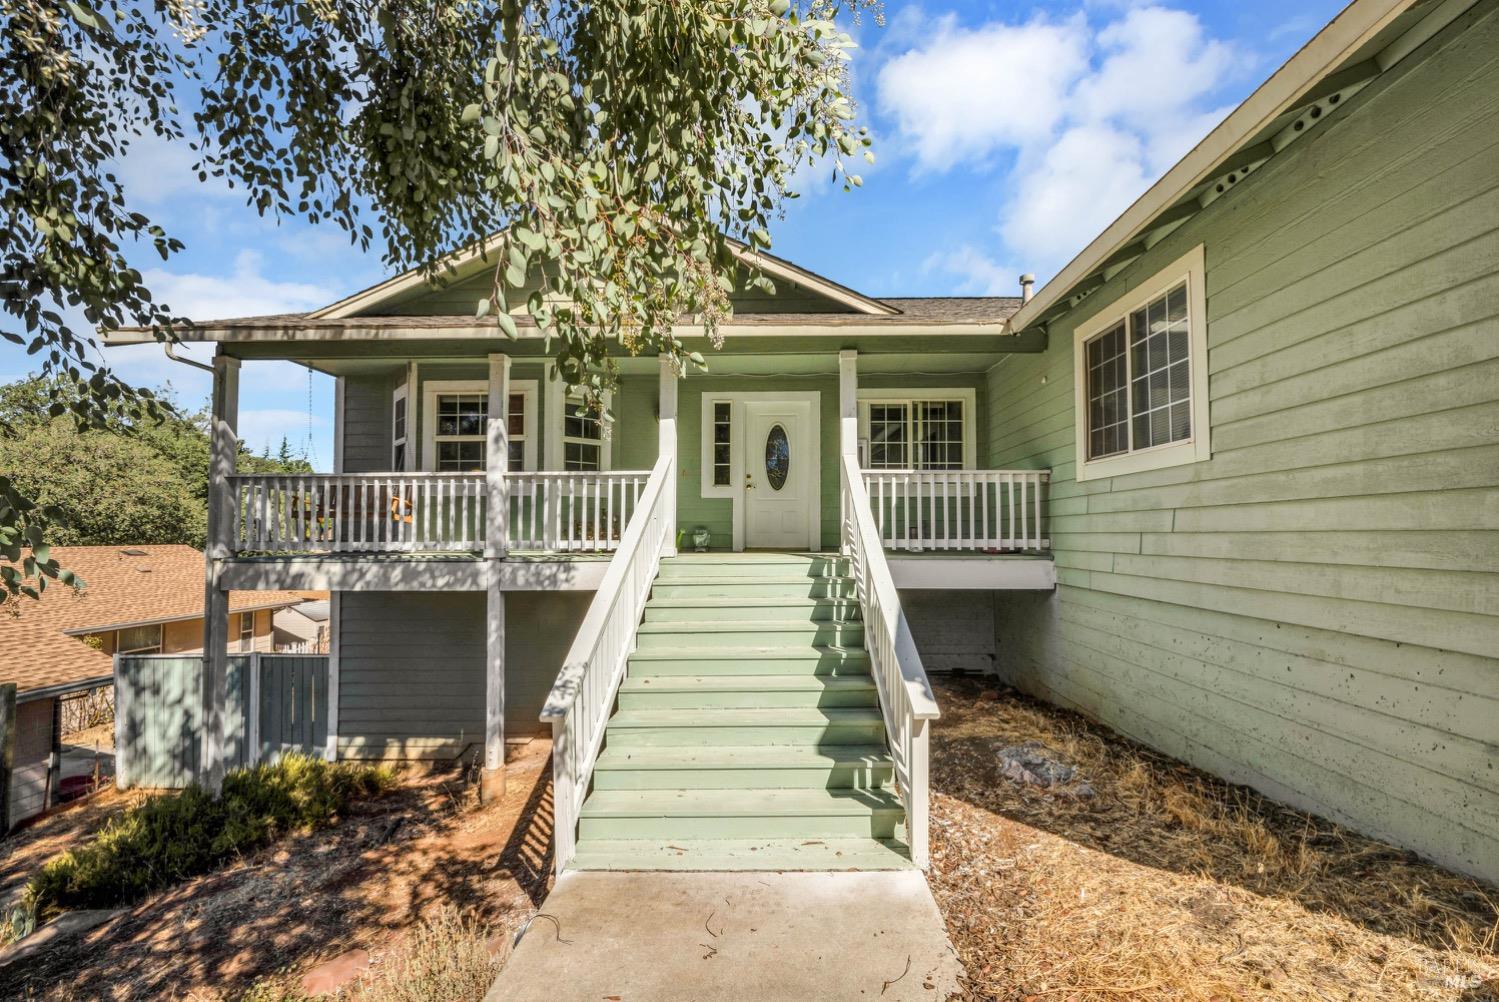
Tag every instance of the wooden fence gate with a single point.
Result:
(159, 713)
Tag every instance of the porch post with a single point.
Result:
(497, 459)
(848, 428)
(666, 425)
(223, 452)
(848, 402)
(496, 545)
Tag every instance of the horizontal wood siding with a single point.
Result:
(952, 629)
(411, 668)
(366, 421)
(1315, 610)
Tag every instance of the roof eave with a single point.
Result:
(1291, 85)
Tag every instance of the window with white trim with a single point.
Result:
(933, 431)
(247, 631)
(582, 436)
(139, 640)
(722, 458)
(398, 423)
(1141, 378)
(460, 437)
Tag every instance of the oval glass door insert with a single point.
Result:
(777, 457)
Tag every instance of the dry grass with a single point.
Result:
(1170, 884)
(452, 956)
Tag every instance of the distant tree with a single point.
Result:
(136, 479)
(115, 489)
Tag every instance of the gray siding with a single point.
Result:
(28, 783)
(1313, 611)
(367, 417)
(952, 629)
(411, 668)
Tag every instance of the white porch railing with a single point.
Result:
(582, 698)
(958, 509)
(906, 698)
(572, 511)
(427, 512)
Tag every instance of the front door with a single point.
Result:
(778, 487)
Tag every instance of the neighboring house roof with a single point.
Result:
(125, 586)
(1366, 39)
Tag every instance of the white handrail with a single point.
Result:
(958, 509)
(906, 698)
(582, 698)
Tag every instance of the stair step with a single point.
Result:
(743, 854)
(645, 692)
(710, 727)
(810, 814)
(748, 565)
(752, 660)
(748, 633)
(724, 609)
(769, 585)
(862, 767)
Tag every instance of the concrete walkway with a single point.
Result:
(664, 937)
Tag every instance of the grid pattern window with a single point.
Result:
(916, 434)
(1160, 379)
(582, 437)
(398, 431)
(247, 631)
(722, 443)
(1108, 416)
(1140, 396)
(888, 426)
(139, 640)
(515, 431)
(460, 432)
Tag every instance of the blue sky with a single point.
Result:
(1006, 135)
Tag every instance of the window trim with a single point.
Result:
(433, 388)
(149, 649)
(245, 637)
(401, 393)
(966, 395)
(1192, 269)
(605, 442)
(707, 488)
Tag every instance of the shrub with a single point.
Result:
(167, 839)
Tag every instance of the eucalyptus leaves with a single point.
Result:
(619, 149)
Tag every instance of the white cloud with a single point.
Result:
(1084, 179)
(155, 171)
(245, 293)
(977, 274)
(968, 92)
(1081, 115)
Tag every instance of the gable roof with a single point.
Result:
(125, 586)
(1366, 39)
(474, 259)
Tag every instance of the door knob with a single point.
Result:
(749, 482)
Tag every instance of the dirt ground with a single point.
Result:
(1166, 883)
(359, 884)
(1138, 879)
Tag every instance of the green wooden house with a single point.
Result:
(1229, 483)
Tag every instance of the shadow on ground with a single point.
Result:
(359, 884)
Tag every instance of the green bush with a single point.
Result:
(169, 838)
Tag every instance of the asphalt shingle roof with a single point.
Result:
(39, 648)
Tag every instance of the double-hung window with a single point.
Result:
(247, 631)
(929, 430)
(455, 417)
(1141, 377)
(582, 436)
(398, 422)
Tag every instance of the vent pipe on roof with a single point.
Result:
(1027, 287)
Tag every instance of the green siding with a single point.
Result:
(411, 668)
(1313, 610)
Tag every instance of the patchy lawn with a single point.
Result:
(426, 857)
(1161, 882)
